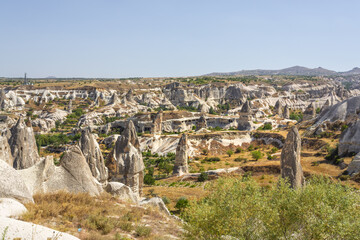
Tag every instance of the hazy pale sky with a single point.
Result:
(153, 38)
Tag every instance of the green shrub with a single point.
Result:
(239, 159)
(182, 203)
(203, 177)
(238, 150)
(274, 150)
(149, 179)
(241, 209)
(229, 152)
(256, 155)
(266, 126)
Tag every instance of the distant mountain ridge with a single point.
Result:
(296, 70)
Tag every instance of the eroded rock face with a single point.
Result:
(157, 123)
(125, 163)
(91, 150)
(290, 159)
(350, 140)
(12, 184)
(23, 145)
(181, 158)
(5, 150)
(75, 163)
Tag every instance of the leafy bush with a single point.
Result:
(256, 155)
(274, 150)
(149, 179)
(238, 150)
(229, 152)
(266, 126)
(241, 209)
(182, 203)
(296, 116)
(239, 159)
(212, 159)
(203, 177)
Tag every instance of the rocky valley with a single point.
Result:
(140, 158)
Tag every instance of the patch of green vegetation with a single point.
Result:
(242, 209)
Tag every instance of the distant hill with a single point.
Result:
(296, 70)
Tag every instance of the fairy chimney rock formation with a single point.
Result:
(286, 113)
(291, 169)
(245, 116)
(201, 123)
(310, 112)
(125, 163)
(157, 123)
(278, 108)
(181, 157)
(129, 96)
(94, 158)
(23, 145)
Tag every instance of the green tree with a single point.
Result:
(256, 154)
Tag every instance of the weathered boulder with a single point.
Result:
(121, 191)
(23, 145)
(12, 184)
(11, 208)
(2, 99)
(91, 150)
(16, 229)
(157, 123)
(291, 169)
(125, 163)
(349, 142)
(181, 157)
(354, 166)
(156, 202)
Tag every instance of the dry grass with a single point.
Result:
(102, 217)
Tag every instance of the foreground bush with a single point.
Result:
(241, 209)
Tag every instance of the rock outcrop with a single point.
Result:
(349, 142)
(291, 169)
(11, 208)
(91, 150)
(16, 229)
(354, 166)
(157, 123)
(121, 191)
(181, 157)
(72, 175)
(125, 163)
(12, 184)
(23, 145)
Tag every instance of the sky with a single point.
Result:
(170, 38)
